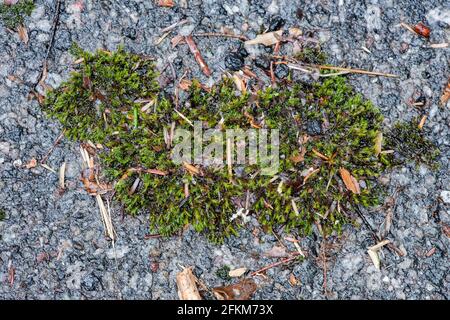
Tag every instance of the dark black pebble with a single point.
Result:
(234, 61)
(314, 127)
(281, 71)
(130, 33)
(276, 23)
(263, 62)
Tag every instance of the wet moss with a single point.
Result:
(14, 15)
(2, 215)
(114, 99)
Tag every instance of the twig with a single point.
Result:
(370, 73)
(390, 246)
(270, 266)
(50, 45)
(152, 236)
(49, 152)
(174, 25)
(198, 57)
(217, 34)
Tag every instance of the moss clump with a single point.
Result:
(2, 215)
(224, 273)
(14, 15)
(311, 54)
(113, 99)
(410, 144)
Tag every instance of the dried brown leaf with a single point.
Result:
(446, 94)
(242, 290)
(349, 181)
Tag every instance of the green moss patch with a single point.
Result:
(328, 138)
(13, 15)
(409, 142)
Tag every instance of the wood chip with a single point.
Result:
(62, 172)
(422, 122)
(293, 280)
(349, 181)
(375, 258)
(243, 290)
(430, 252)
(166, 3)
(439, 45)
(239, 82)
(446, 94)
(267, 39)
(237, 272)
(31, 164)
(177, 40)
(23, 34)
(271, 38)
(187, 287)
(422, 30)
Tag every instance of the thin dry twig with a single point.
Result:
(276, 264)
(350, 70)
(218, 34)
(198, 57)
(44, 69)
(49, 152)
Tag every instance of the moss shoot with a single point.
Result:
(13, 15)
(409, 142)
(326, 130)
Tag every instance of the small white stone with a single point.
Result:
(445, 195)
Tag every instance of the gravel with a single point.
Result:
(53, 242)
